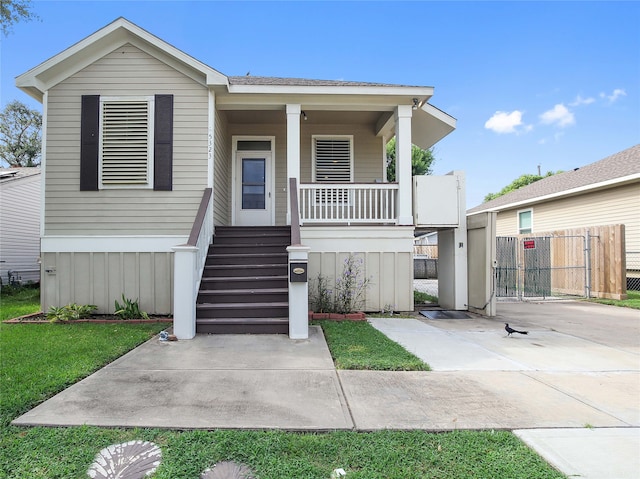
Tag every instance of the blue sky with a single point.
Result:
(555, 84)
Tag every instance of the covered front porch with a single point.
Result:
(312, 156)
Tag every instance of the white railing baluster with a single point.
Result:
(348, 203)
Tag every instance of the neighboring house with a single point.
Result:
(19, 225)
(606, 192)
(149, 153)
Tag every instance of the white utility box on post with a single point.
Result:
(436, 201)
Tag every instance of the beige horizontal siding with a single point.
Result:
(222, 172)
(125, 72)
(617, 205)
(367, 150)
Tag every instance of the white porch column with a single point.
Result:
(184, 291)
(299, 295)
(403, 164)
(293, 149)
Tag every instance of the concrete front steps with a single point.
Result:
(244, 287)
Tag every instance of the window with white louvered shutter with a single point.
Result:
(126, 146)
(333, 163)
(332, 160)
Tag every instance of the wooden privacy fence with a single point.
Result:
(587, 261)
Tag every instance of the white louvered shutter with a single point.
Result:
(333, 160)
(125, 142)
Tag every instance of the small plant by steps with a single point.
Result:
(129, 309)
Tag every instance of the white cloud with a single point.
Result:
(559, 115)
(505, 122)
(582, 101)
(617, 93)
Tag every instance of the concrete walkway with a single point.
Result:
(570, 388)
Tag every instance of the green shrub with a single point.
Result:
(70, 312)
(129, 309)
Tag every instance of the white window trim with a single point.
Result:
(150, 141)
(234, 154)
(518, 220)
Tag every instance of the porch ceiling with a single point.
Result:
(429, 125)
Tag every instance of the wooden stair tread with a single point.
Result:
(242, 305)
(245, 290)
(243, 320)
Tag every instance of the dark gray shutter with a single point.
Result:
(89, 142)
(163, 143)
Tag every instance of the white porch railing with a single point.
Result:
(189, 260)
(348, 203)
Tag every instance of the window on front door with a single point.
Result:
(253, 183)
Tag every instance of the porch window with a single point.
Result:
(525, 221)
(332, 163)
(126, 142)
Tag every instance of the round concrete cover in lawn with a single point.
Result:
(228, 470)
(130, 460)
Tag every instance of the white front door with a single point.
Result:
(253, 189)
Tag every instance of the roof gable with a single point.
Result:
(618, 168)
(118, 33)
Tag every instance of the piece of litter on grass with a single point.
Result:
(338, 473)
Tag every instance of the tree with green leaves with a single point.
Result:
(14, 11)
(421, 160)
(20, 135)
(519, 182)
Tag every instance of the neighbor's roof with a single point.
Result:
(619, 168)
(11, 174)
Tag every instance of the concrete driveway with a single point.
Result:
(570, 388)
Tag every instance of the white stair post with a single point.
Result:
(298, 292)
(184, 291)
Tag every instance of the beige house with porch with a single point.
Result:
(150, 157)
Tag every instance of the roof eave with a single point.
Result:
(376, 90)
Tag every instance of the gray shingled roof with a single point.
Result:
(624, 163)
(257, 80)
(10, 174)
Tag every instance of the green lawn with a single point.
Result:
(358, 345)
(20, 302)
(38, 360)
(632, 301)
